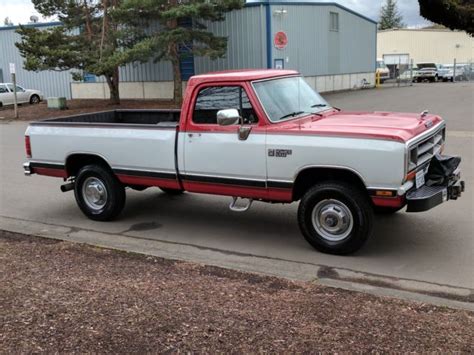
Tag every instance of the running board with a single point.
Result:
(233, 205)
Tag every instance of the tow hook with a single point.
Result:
(67, 187)
(456, 190)
(233, 205)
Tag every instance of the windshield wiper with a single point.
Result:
(292, 114)
(319, 105)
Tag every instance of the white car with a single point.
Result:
(23, 95)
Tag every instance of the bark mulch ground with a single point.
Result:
(63, 297)
(27, 112)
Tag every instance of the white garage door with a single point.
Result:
(395, 59)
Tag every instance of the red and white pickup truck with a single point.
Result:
(258, 135)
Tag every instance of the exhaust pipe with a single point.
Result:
(67, 187)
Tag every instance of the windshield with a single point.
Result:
(381, 64)
(426, 65)
(288, 98)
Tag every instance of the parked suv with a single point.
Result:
(23, 95)
(426, 71)
(447, 72)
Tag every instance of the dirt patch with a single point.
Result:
(29, 112)
(64, 297)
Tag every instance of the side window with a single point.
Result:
(18, 88)
(3, 89)
(212, 99)
(334, 21)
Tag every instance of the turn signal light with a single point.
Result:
(410, 176)
(384, 193)
(28, 146)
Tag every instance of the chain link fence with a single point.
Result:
(408, 74)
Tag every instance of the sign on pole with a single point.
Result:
(15, 98)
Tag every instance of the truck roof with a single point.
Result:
(240, 75)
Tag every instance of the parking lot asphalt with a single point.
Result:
(430, 252)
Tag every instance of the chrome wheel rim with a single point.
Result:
(94, 193)
(332, 220)
(34, 100)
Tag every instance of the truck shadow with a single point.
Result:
(275, 225)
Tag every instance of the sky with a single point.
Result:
(19, 11)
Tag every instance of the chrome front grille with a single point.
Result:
(422, 152)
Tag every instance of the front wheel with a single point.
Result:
(99, 194)
(335, 217)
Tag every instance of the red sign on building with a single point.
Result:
(280, 40)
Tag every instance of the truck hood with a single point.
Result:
(395, 126)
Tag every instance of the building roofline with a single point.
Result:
(421, 30)
(311, 3)
(37, 24)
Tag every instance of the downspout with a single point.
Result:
(268, 20)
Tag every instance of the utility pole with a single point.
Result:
(15, 98)
(454, 70)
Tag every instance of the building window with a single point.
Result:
(334, 21)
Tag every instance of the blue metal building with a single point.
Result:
(331, 45)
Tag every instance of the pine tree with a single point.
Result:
(90, 39)
(390, 16)
(454, 14)
(181, 29)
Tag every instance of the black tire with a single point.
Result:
(111, 205)
(34, 99)
(386, 210)
(172, 192)
(344, 196)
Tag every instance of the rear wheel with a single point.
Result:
(34, 99)
(99, 194)
(335, 217)
(171, 191)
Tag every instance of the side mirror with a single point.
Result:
(228, 117)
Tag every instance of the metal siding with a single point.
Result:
(246, 41)
(51, 83)
(315, 50)
(436, 46)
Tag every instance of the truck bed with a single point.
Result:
(161, 118)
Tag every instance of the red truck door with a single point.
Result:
(215, 159)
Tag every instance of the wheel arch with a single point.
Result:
(309, 175)
(75, 161)
(34, 94)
